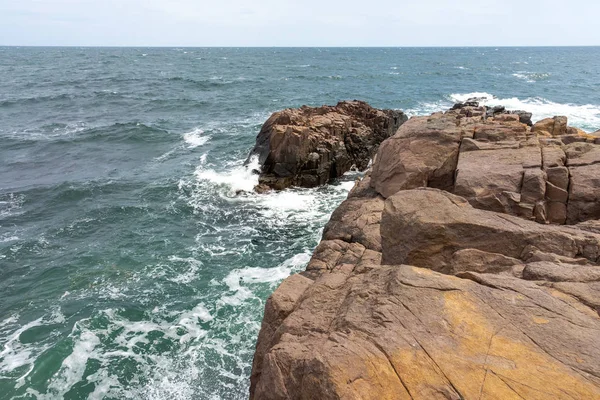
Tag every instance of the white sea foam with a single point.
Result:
(73, 367)
(585, 116)
(287, 204)
(192, 271)
(182, 327)
(195, 138)
(11, 204)
(10, 320)
(6, 239)
(238, 280)
(523, 77)
(16, 354)
(240, 178)
(531, 77)
(460, 97)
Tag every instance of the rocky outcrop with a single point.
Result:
(545, 173)
(464, 265)
(309, 146)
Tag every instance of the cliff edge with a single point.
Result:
(464, 265)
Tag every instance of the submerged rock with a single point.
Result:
(449, 272)
(309, 146)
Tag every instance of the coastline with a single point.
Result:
(411, 292)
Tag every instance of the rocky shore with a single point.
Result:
(464, 265)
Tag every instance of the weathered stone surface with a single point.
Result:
(423, 152)
(435, 224)
(554, 272)
(309, 146)
(556, 213)
(584, 194)
(488, 178)
(556, 126)
(418, 293)
(524, 117)
(357, 220)
(404, 332)
(553, 155)
(558, 176)
(473, 260)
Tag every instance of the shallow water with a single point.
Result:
(129, 267)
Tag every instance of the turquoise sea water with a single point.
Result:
(129, 267)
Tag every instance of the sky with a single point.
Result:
(299, 23)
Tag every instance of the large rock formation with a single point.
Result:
(545, 173)
(309, 146)
(449, 272)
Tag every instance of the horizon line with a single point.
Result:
(293, 47)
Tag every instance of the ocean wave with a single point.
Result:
(204, 333)
(11, 204)
(531, 77)
(35, 100)
(586, 116)
(8, 238)
(16, 353)
(239, 281)
(123, 343)
(241, 178)
(213, 82)
(195, 138)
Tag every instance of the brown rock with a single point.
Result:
(400, 332)
(553, 272)
(584, 194)
(473, 260)
(516, 312)
(556, 126)
(534, 186)
(487, 178)
(558, 176)
(586, 293)
(579, 154)
(553, 155)
(436, 224)
(556, 212)
(507, 129)
(357, 220)
(554, 193)
(309, 146)
(423, 152)
(506, 118)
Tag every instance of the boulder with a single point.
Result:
(435, 224)
(309, 146)
(556, 126)
(524, 117)
(402, 332)
(424, 152)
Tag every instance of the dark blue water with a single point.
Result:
(128, 266)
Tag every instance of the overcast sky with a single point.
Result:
(299, 23)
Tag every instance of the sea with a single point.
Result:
(135, 260)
